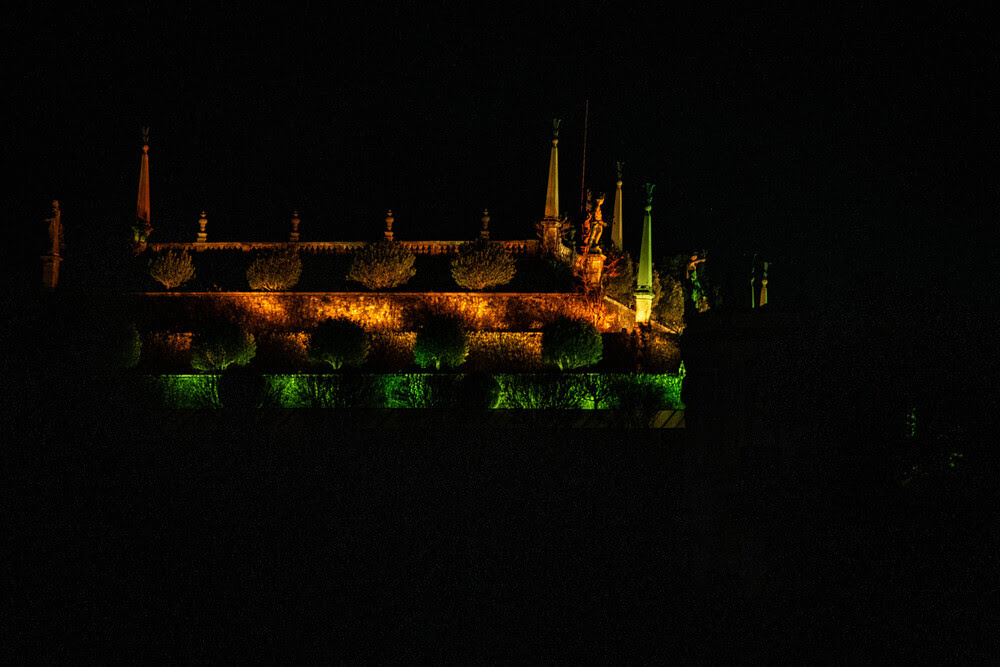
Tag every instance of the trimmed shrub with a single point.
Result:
(441, 342)
(275, 271)
(481, 265)
(571, 344)
(337, 343)
(126, 346)
(382, 265)
(220, 345)
(172, 268)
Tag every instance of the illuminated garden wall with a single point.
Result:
(376, 311)
(495, 351)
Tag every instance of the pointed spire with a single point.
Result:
(616, 218)
(485, 233)
(294, 236)
(763, 287)
(644, 291)
(552, 193)
(142, 206)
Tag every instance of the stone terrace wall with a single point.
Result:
(375, 311)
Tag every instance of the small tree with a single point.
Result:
(172, 268)
(382, 265)
(571, 344)
(481, 265)
(618, 279)
(338, 342)
(275, 271)
(669, 308)
(221, 345)
(441, 342)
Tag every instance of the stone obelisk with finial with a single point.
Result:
(143, 228)
(644, 281)
(616, 218)
(551, 224)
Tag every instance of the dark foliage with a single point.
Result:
(338, 343)
(221, 344)
(570, 344)
(441, 343)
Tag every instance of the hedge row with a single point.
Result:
(543, 391)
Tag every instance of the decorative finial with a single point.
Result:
(202, 222)
(294, 236)
(620, 165)
(145, 137)
(388, 225)
(485, 233)
(649, 195)
(555, 129)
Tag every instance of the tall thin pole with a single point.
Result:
(583, 175)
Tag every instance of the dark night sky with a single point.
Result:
(824, 141)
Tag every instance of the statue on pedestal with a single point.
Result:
(596, 225)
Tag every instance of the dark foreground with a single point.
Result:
(199, 535)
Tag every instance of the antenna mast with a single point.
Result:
(583, 175)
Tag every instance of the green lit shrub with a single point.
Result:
(275, 271)
(172, 268)
(220, 345)
(382, 265)
(338, 343)
(540, 391)
(569, 344)
(441, 342)
(481, 265)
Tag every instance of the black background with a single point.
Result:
(827, 141)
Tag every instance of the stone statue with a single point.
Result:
(597, 225)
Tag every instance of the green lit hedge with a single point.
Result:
(426, 390)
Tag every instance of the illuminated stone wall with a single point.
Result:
(375, 311)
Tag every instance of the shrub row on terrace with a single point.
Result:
(376, 266)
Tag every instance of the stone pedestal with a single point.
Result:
(592, 267)
(643, 307)
(551, 235)
(50, 271)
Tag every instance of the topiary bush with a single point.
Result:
(569, 344)
(126, 345)
(441, 342)
(481, 265)
(220, 345)
(172, 268)
(382, 265)
(275, 271)
(338, 343)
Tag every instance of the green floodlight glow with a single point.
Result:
(538, 391)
